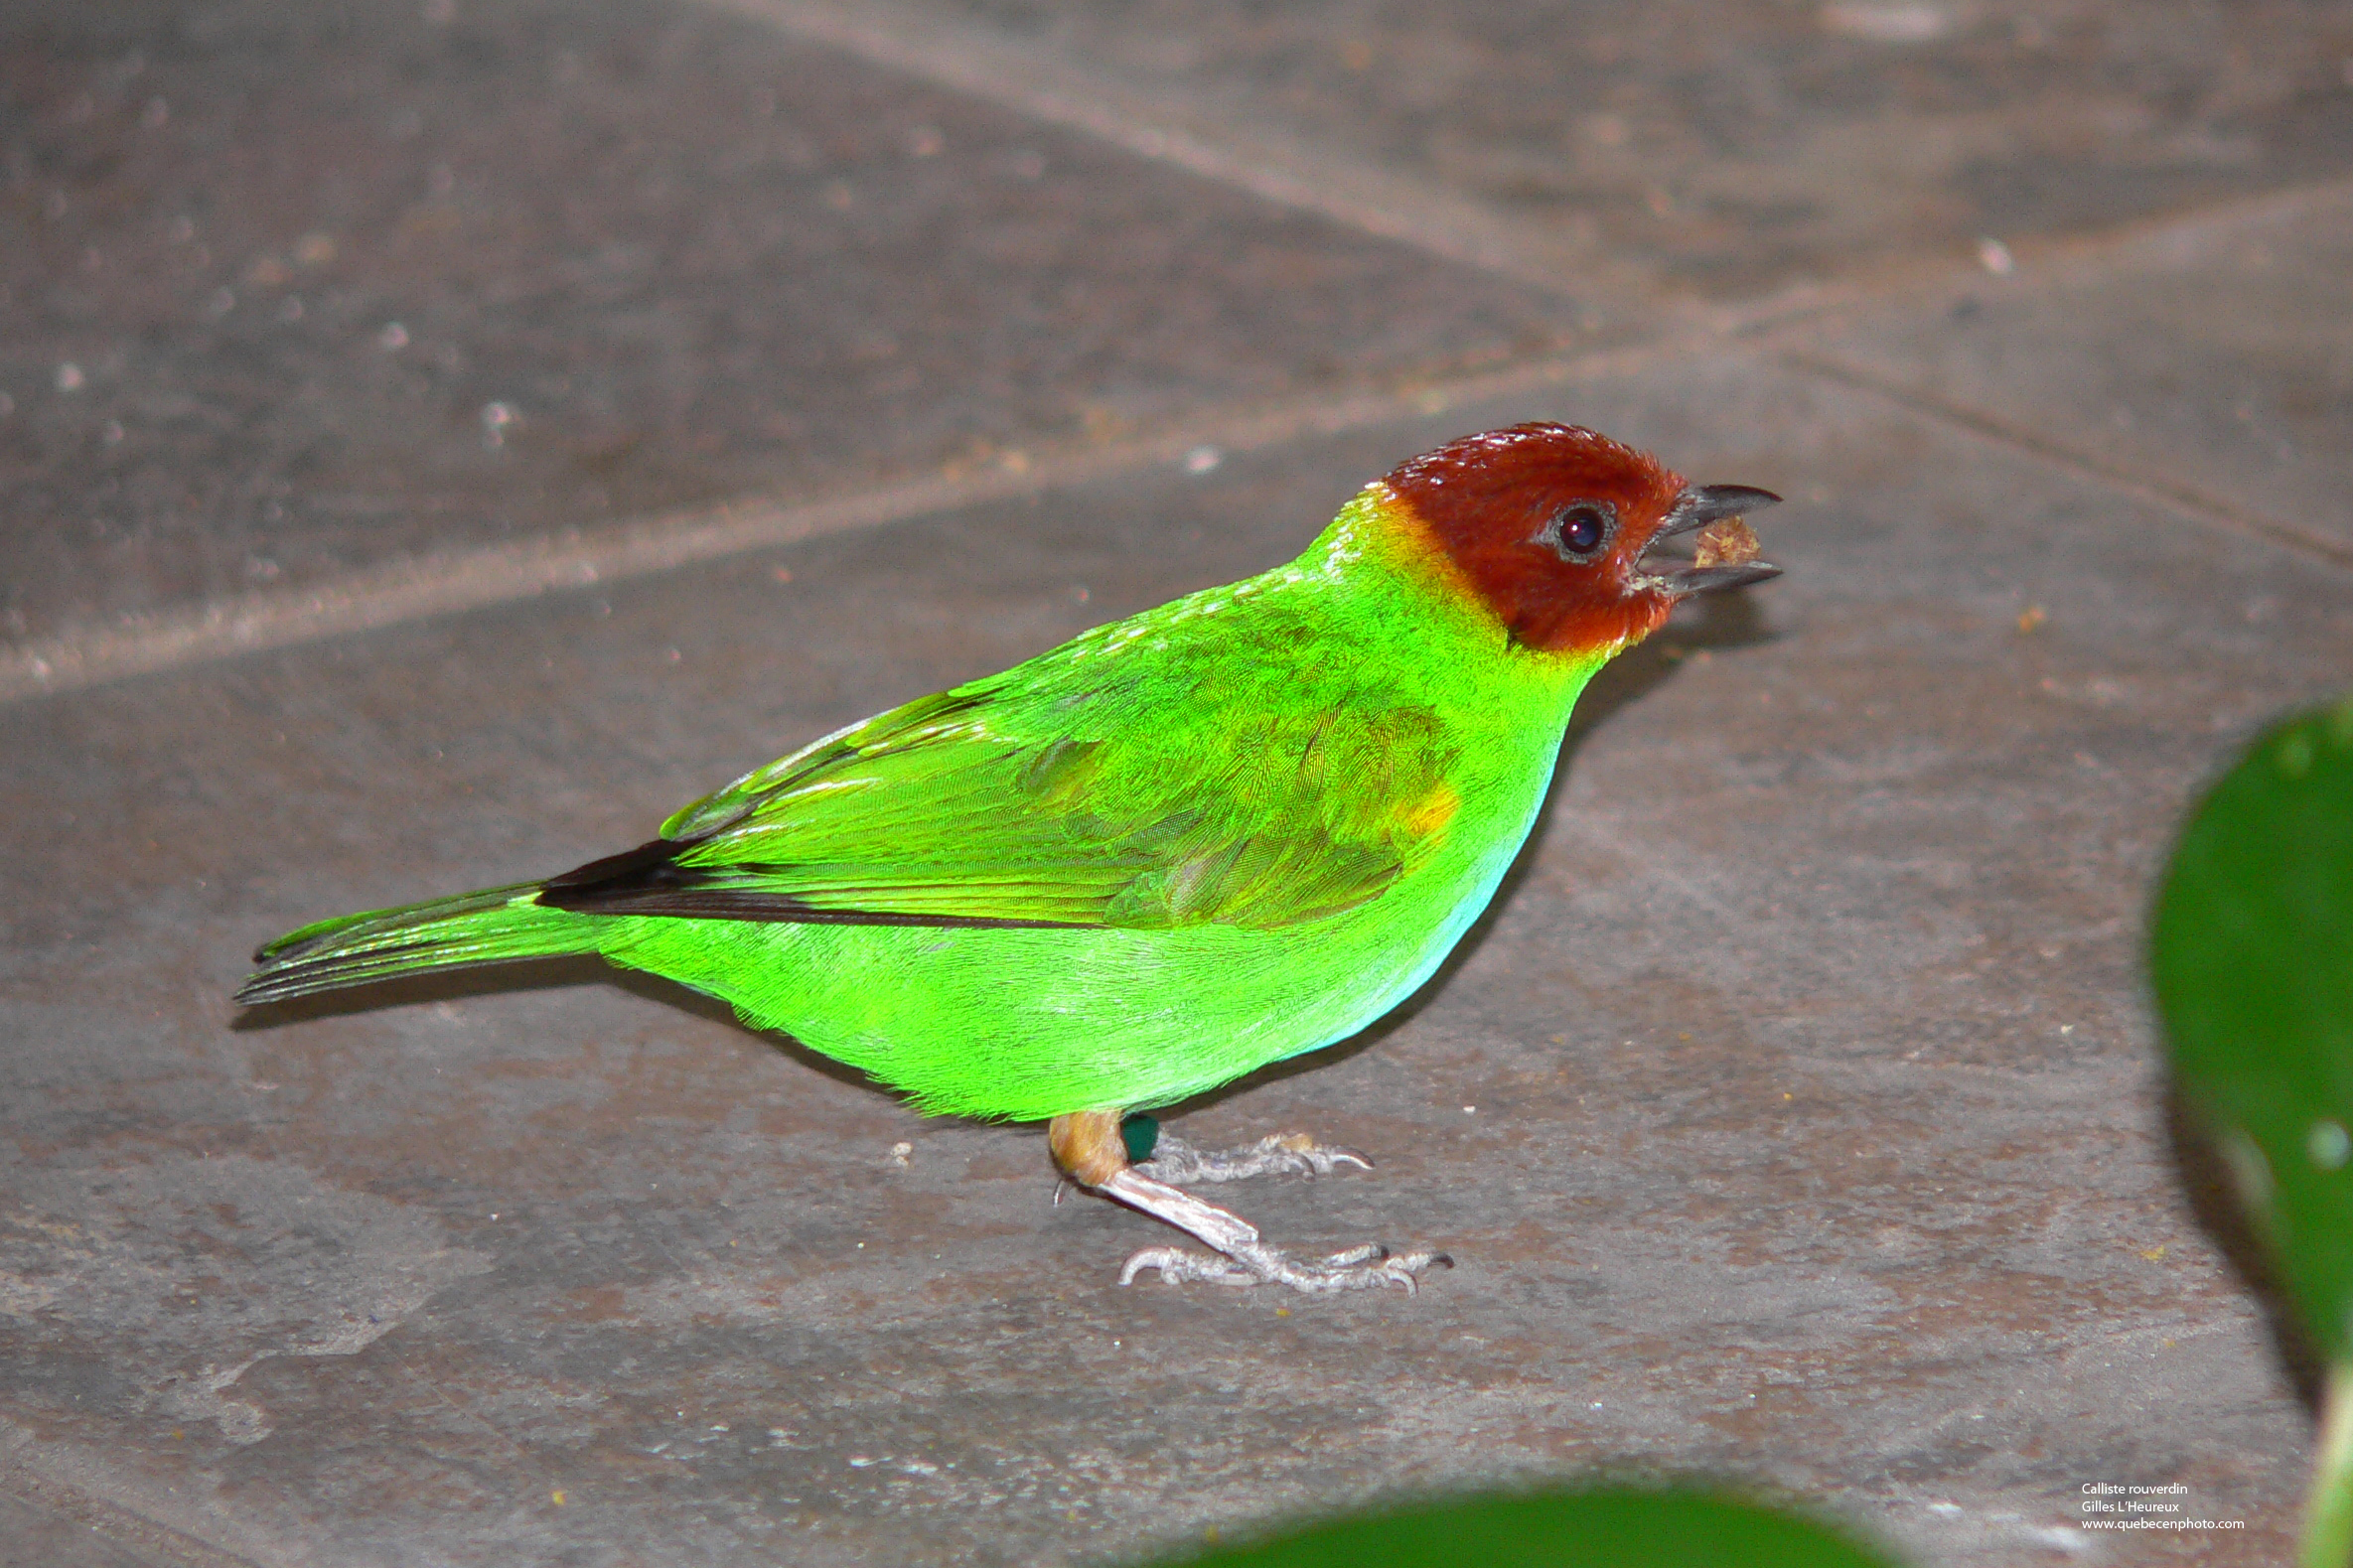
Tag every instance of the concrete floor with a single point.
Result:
(437, 440)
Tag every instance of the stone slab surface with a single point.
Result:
(36, 1537)
(297, 289)
(1730, 151)
(2213, 357)
(1792, 1119)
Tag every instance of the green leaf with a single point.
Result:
(2252, 954)
(1603, 1527)
(2252, 960)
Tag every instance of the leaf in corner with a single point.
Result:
(2251, 955)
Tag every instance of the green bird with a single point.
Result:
(1219, 833)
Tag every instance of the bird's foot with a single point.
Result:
(1176, 1162)
(1256, 1263)
(1089, 1146)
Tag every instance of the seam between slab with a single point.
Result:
(401, 592)
(2151, 243)
(1166, 126)
(2188, 501)
(133, 1531)
(1040, 85)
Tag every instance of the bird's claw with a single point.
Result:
(1357, 1268)
(1178, 1163)
(1177, 1265)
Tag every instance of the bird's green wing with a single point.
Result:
(1054, 803)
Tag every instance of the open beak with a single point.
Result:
(1693, 510)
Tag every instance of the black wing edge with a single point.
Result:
(649, 880)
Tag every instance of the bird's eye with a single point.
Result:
(1580, 531)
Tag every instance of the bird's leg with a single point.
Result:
(1088, 1147)
(1281, 1154)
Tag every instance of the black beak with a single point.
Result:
(1697, 507)
(1701, 504)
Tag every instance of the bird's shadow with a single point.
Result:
(1717, 621)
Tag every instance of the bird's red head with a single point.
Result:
(1554, 528)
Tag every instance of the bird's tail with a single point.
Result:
(490, 927)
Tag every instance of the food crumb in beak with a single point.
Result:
(1727, 542)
